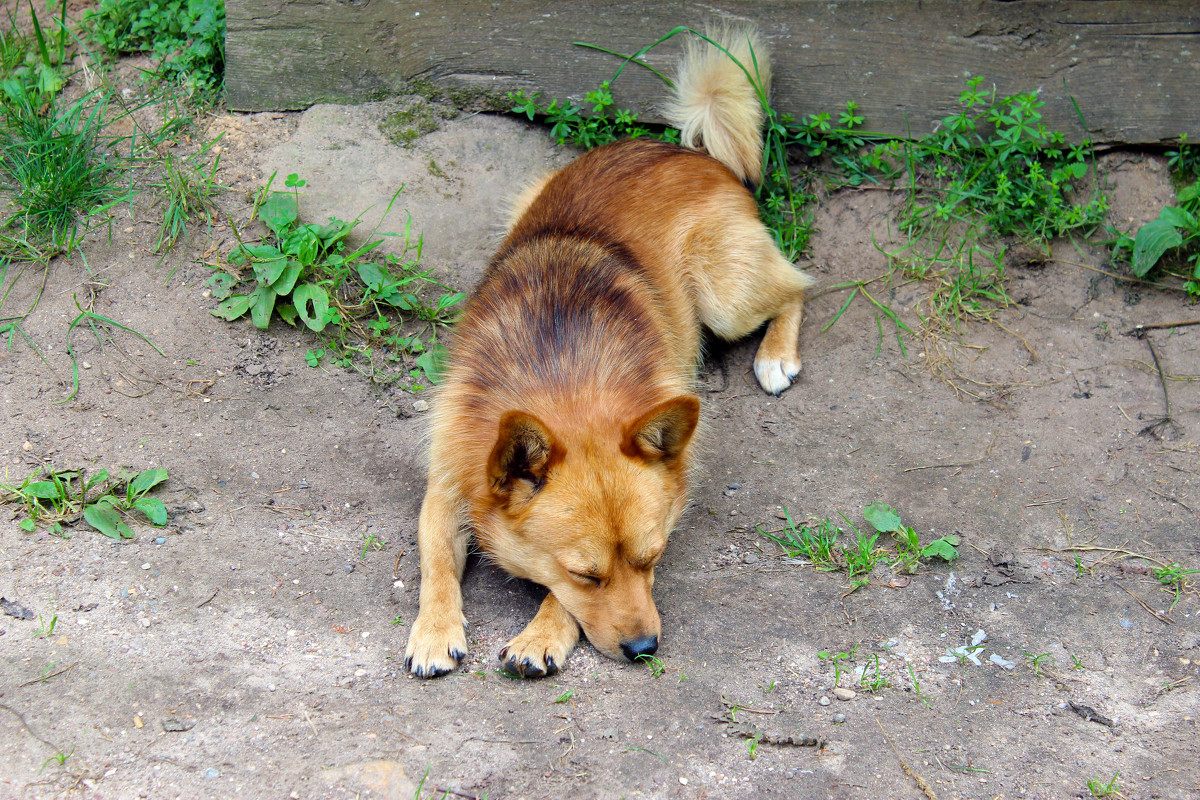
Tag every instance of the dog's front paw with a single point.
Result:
(435, 646)
(534, 654)
(776, 374)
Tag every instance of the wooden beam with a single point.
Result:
(1133, 67)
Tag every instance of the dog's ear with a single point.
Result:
(525, 450)
(664, 431)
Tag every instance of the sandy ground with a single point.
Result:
(251, 648)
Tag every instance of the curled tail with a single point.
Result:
(716, 106)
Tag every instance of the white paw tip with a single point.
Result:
(775, 376)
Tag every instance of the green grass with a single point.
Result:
(187, 189)
(52, 170)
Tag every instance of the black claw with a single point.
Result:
(531, 670)
(457, 655)
(408, 663)
(551, 665)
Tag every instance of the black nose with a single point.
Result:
(645, 646)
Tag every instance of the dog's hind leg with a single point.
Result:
(438, 640)
(777, 362)
(545, 643)
(741, 280)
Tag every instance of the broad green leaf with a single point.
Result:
(303, 244)
(1154, 239)
(43, 490)
(882, 517)
(943, 548)
(372, 275)
(154, 510)
(1180, 218)
(433, 363)
(222, 284)
(287, 313)
(103, 518)
(278, 212)
(1189, 193)
(262, 303)
(263, 252)
(267, 272)
(27, 524)
(146, 481)
(311, 305)
(232, 307)
(287, 279)
(448, 300)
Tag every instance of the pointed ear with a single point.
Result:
(664, 431)
(525, 450)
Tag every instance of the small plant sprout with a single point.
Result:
(752, 746)
(397, 620)
(1099, 789)
(1036, 662)
(657, 667)
(872, 678)
(371, 542)
(45, 629)
(912, 676)
(565, 696)
(1175, 577)
(837, 660)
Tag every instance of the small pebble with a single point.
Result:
(824, 700)
(145, 623)
(160, 540)
(735, 486)
(348, 569)
(839, 718)
(842, 693)
(85, 365)
(146, 566)
(421, 405)
(211, 773)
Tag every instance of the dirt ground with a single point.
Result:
(251, 649)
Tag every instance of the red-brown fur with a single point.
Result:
(561, 434)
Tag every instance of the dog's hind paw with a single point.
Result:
(776, 375)
(434, 650)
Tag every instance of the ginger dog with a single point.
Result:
(562, 432)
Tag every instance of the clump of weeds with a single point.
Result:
(368, 307)
(819, 545)
(57, 499)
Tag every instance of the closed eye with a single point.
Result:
(594, 580)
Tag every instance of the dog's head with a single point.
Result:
(586, 512)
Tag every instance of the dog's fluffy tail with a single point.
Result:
(716, 105)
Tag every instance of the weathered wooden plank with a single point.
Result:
(1131, 66)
